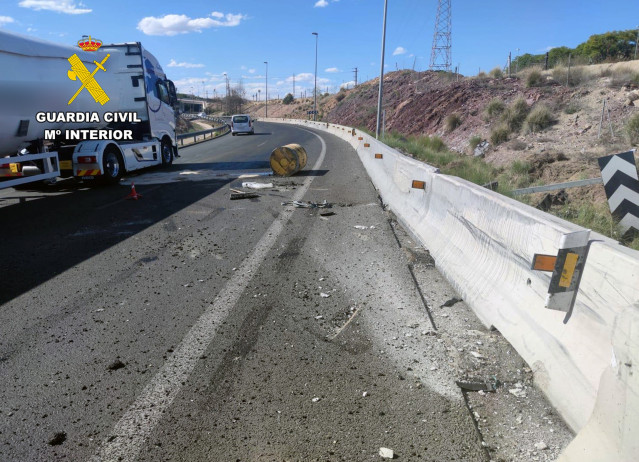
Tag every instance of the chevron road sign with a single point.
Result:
(619, 174)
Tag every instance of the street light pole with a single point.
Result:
(636, 42)
(381, 75)
(266, 96)
(315, 88)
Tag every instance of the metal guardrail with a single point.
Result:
(556, 186)
(202, 133)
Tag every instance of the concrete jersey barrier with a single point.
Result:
(484, 243)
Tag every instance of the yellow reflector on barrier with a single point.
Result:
(419, 184)
(379, 156)
(569, 270)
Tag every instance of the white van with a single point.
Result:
(241, 123)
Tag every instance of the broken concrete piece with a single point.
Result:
(386, 453)
(541, 446)
(323, 295)
(253, 185)
(518, 392)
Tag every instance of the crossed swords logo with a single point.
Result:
(79, 71)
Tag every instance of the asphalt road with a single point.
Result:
(188, 327)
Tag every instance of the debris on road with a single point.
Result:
(541, 446)
(115, 365)
(386, 453)
(518, 391)
(309, 204)
(315, 400)
(58, 439)
(479, 385)
(253, 185)
(324, 295)
(327, 214)
(451, 302)
(237, 194)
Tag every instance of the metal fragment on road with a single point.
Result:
(489, 384)
(309, 204)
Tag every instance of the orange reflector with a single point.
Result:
(419, 184)
(544, 262)
(379, 156)
(367, 145)
(360, 138)
(569, 270)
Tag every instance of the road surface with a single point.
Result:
(188, 327)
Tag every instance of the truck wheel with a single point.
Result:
(113, 167)
(167, 153)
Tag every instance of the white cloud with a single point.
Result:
(321, 4)
(251, 71)
(173, 63)
(348, 84)
(399, 51)
(332, 69)
(217, 14)
(6, 20)
(59, 6)
(174, 24)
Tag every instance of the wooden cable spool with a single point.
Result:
(288, 160)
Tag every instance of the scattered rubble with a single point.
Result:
(386, 453)
(58, 439)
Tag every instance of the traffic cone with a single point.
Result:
(134, 195)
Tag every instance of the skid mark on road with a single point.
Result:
(132, 430)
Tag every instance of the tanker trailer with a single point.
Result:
(93, 111)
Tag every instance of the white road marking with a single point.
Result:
(261, 144)
(132, 430)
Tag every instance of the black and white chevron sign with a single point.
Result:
(619, 174)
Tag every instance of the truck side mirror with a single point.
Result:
(172, 94)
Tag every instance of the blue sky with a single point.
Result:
(198, 41)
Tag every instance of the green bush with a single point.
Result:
(572, 108)
(494, 108)
(534, 79)
(632, 130)
(452, 121)
(288, 99)
(515, 114)
(497, 73)
(340, 96)
(538, 119)
(571, 77)
(474, 142)
(519, 167)
(499, 135)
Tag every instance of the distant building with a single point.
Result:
(191, 106)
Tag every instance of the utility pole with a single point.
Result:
(636, 42)
(381, 74)
(315, 87)
(266, 96)
(293, 85)
(355, 70)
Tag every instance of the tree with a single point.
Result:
(288, 99)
